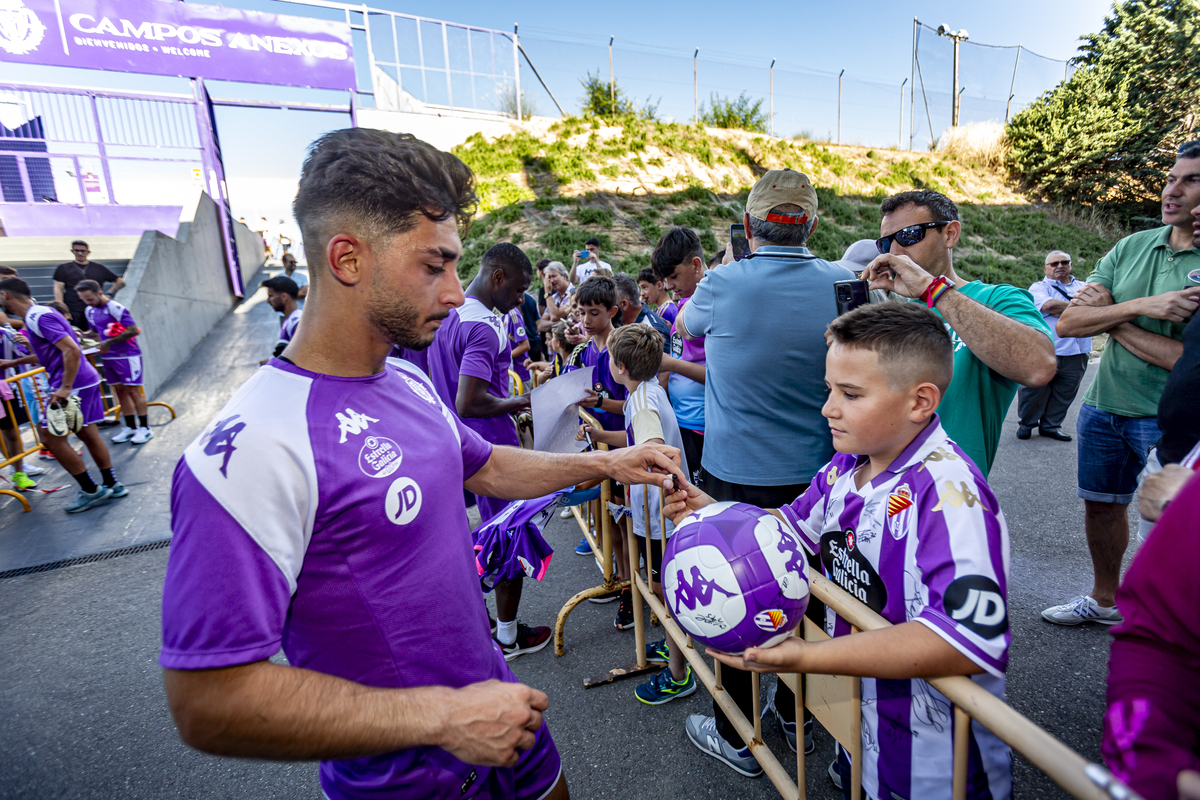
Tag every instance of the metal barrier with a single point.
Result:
(114, 410)
(10, 458)
(835, 700)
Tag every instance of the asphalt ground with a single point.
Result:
(84, 711)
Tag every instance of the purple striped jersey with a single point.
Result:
(924, 541)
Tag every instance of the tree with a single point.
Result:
(741, 113)
(1107, 136)
(599, 100)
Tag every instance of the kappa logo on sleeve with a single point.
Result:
(220, 440)
(959, 496)
(975, 602)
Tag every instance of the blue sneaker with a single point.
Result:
(83, 501)
(663, 688)
(118, 490)
(583, 548)
(657, 651)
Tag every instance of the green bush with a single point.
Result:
(708, 241)
(589, 215)
(693, 218)
(740, 113)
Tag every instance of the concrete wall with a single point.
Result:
(178, 288)
(252, 253)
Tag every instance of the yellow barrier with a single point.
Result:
(115, 409)
(10, 458)
(834, 701)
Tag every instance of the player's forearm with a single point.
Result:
(513, 473)
(1161, 351)
(908, 650)
(489, 406)
(610, 438)
(125, 335)
(1078, 321)
(1013, 349)
(687, 369)
(265, 710)
(71, 358)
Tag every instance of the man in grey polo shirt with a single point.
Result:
(763, 320)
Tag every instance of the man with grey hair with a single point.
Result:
(764, 436)
(1045, 407)
(629, 300)
(558, 296)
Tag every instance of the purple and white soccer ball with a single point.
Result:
(735, 577)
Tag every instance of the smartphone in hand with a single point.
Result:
(737, 235)
(850, 295)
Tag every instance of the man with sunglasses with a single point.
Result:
(1142, 294)
(1045, 408)
(1000, 339)
(69, 274)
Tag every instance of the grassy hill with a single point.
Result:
(548, 187)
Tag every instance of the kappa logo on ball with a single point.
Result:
(419, 390)
(770, 620)
(403, 501)
(20, 29)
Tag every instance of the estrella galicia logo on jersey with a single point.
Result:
(849, 569)
(975, 602)
(379, 457)
(676, 344)
(770, 620)
(419, 390)
(403, 501)
(220, 440)
(602, 391)
(352, 422)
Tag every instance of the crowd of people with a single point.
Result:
(324, 509)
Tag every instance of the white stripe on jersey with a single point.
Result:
(273, 449)
(472, 310)
(33, 318)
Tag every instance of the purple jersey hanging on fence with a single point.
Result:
(44, 327)
(604, 385)
(510, 544)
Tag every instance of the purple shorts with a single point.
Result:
(122, 370)
(91, 403)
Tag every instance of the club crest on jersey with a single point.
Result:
(419, 390)
(770, 620)
(525, 565)
(899, 510)
(379, 457)
(352, 422)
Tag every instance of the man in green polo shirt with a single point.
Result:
(1000, 339)
(1142, 294)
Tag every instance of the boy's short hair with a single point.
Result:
(598, 290)
(15, 286)
(647, 275)
(637, 348)
(591, 241)
(910, 340)
(559, 331)
(676, 246)
(282, 284)
(87, 286)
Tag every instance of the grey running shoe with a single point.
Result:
(118, 490)
(789, 728)
(702, 731)
(83, 501)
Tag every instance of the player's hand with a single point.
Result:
(656, 464)
(103, 347)
(1188, 783)
(728, 257)
(20, 339)
(783, 657)
(899, 274)
(583, 432)
(489, 723)
(590, 399)
(520, 403)
(1172, 306)
(1092, 294)
(1160, 488)
(686, 499)
(59, 396)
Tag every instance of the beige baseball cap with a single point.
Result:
(781, 187)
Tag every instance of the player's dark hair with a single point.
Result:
(60, 308)
(541, 263)
(598, 290)
(282, 284)
(593, 240)
(80, 241)
(676, 246)
(648, 275)
(627, 289)
(716, 259)
(509, 258)
(87, 285)
(7, 270)
(911, 341)
(377, 184)
(942, 207)
(637, 348)
(1189, 149)
(15, 286)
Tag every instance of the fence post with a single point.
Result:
(1012, 86)
(900, 139)
(772, 130)
(912, 89)
(516, 70)
(612, 91)
(695, 90)
(839, 136)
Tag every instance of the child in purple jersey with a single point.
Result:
(56, 347)
(121, 357)
(905, 522)
(598, 304)
(656, 296)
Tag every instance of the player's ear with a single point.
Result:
(925, 399)
(345, 257)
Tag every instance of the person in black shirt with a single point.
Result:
(70, 273)
(1178, 421)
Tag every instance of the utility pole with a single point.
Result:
(839, 136)
(958, 37)
(695, 90)
(772, 97)
(900, 141)
(612, 91)
(912, 88)
(1012, 87)
(517, 70)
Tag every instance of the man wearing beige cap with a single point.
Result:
(764, 320)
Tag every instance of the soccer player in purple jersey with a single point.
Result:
(904, 521)
(283, 296)
(56, 347)
(121, 358)
(321, 511)
(468, 362)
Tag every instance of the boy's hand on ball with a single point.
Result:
(684, 501)
(783, 657)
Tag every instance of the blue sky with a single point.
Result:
(871, 41)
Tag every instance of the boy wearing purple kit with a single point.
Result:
(905, 522)
(121, 358)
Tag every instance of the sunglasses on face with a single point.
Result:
(907, 237)
(1059, 264)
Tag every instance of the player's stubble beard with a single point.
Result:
(397, 319)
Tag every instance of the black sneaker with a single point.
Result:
(624, 620)
(529, 640)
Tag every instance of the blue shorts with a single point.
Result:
(1112, 452)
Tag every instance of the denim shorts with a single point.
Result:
(1112, 451)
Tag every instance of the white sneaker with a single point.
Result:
(1082, 609)
(124, 435)
(34, 469)
(565, 514)
(142, 435)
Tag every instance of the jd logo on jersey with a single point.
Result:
(352, 422)
(403, 501)
(975, 602)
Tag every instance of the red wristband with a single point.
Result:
(934, 291)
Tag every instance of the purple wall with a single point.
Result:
(61, 219)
